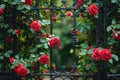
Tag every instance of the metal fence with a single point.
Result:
(64, 74)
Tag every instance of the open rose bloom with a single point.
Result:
(54, 42)
(93, 9)
(44, 59)
(35, 25)
(96, 55)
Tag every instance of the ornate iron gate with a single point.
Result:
(65, 73)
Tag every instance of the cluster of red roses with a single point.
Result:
(19, 69)
(104, 54)
(22, 71)
(92, 9)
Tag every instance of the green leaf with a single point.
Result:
(27, 7)
(114, 1)
(113, 21)
(42, 52)
(20, 7)
(17, 57)
(22, 0)
(5, 0)
(115, 57)
(117, 26)
(71, 51)
(36, 59)
(1, 57)
(111, 61)
(7, 55)
(10, 51)
(2, 5)
(46, 46)
(90, 51)
(32, 30)
(109, 28)
(12, 67)
(32, 55)
(84, 45)
(44, 22)
(82, 53)
(10, 31)
(33, 49)
(39, 46)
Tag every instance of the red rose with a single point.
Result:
(116, 37)
(54, 42)
(18, 67)
(44, 59)
(1, 11)
(11, 59)
(18, 32)
(96, 55)
(28, 2)
(22, 71)
(54, 18)
(93, 9)
(69, 14)
(80, 2)
(106, 54)
(9, 39)
(35, 25)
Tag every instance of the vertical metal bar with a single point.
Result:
(105, 23)
(105, 37)
(13, 19)
(51, 32)
(37, 40)
(74, 36)
(97, 41)
(97, 27)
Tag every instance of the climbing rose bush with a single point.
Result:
(93, 9)
(35, 25)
